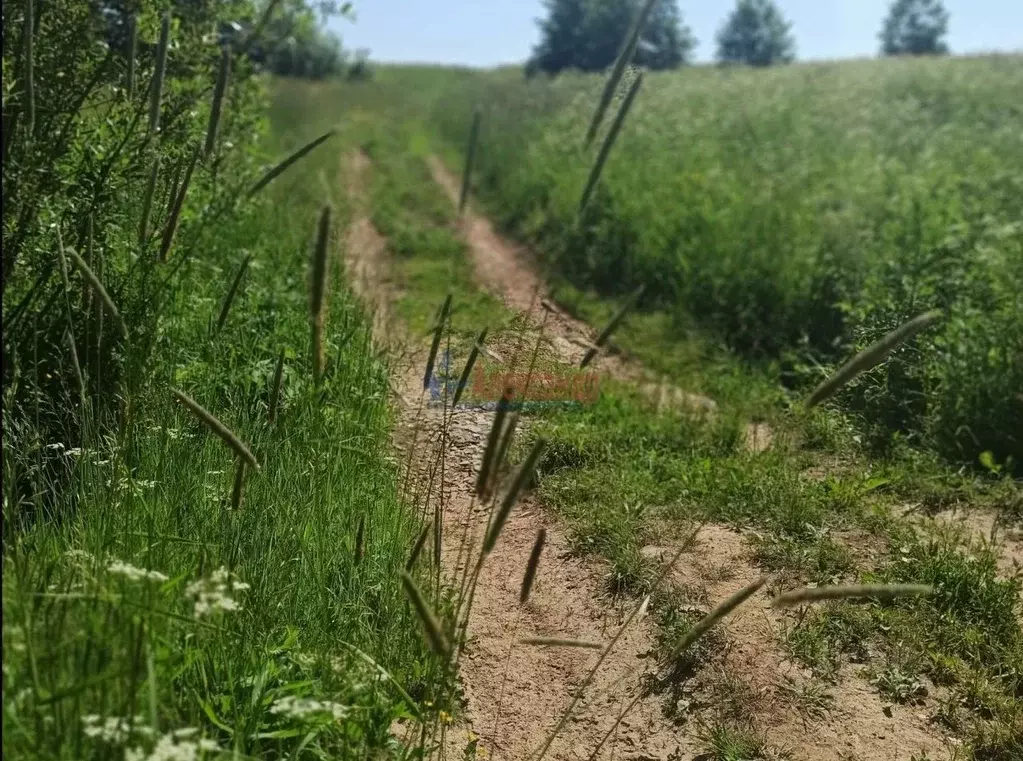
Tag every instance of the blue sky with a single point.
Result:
(491, 32)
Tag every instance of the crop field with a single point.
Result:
(266, 494)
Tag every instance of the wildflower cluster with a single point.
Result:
(215, 593)
(179, 745)
(304, 708)
(132, 573)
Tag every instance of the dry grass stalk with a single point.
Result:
(275, 392)
(484, 477)
(28, 33)
(567, 713)
(873, 591)
(133, 44)
(611, 326)
(98, 290)
(438, 332)
(609, 141)
(279, 168)
(76, 366)
(872, 356)
(175, 213)
(257, 30)
(156, 89)
(434, 633)
(505, 444)
(218, 100)
(239, 485)
(469, 364)
(318, 292)
(624, 56)
(534, 562)
(556, 642)
(232, 292)
(521, 479)
(360, 540)
(221, 430)
(147, 202)
(470, 158)
(417, 548)
(707, 623)
(438, 533)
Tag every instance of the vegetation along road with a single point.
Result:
(619, 410)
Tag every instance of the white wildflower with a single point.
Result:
(55, 446)
(113, 729)
(174, 747)
(215, 593)
(133, 573)
(303, 708)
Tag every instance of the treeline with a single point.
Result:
(588, 34)
(285, 37)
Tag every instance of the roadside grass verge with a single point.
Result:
(626, 477)
(152, 601)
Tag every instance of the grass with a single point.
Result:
(873, 195)
(151, 587)
(153, 603)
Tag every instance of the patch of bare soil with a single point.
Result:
(975, 526)
(751, 681)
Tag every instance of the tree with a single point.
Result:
(915, 27)
(588, 35)
(756, 34)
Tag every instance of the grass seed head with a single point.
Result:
(223, 73)
(133, 44)
(523, 476)
(873, 591)
(556, 642)
(156, 88)
(434, 633)
(438, 332)
(221, 430)
(275, 393)
(279, 168)
(417, 548)
(624, 56)
(534, 562)
(97, 288)
(872, 356)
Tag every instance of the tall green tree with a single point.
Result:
(588, 35)
(915, 27)
(756, 34)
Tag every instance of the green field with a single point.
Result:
(796, 214)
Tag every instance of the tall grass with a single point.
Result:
(142, 614)
(799, 213)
